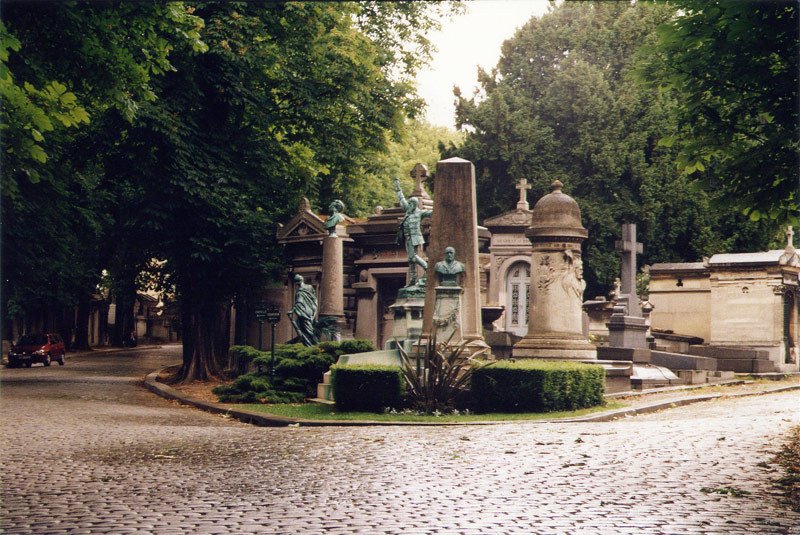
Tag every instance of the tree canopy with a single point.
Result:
(732, 68)
(563, 103)
(183, 131)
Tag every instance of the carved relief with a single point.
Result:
(546, 274)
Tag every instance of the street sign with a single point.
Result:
(273, 315)
(261, 314)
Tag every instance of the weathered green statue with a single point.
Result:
(336, 208)
(410, 232)
(304, 310)
(449, 269)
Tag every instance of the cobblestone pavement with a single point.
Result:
(86, 449)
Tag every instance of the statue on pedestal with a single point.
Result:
(336, 208)
(410, 232)
(447, 306)
(449, 269)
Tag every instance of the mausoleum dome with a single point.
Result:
(556, 215)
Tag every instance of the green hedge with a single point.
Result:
(367, 387)
(298, 369)
(537, 386)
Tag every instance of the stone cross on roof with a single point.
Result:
(789, 237)
(523, 188)
(629, 248)
(420, 174)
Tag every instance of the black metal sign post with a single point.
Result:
(273, 317)
(261, 315)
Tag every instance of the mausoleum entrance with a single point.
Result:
(518, 287)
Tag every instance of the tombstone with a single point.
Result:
(555, 329)
(455, 223)
(627, 327)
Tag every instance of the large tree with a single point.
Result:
(63, 68)
(563, 103)
(290, 99)
(733, 67)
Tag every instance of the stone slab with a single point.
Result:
(637, 355)
(680, 361)
(385, 357)
(728, 353)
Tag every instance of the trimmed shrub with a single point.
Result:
(537, 386)
(298, 369)
(367, 387)
(255, 388)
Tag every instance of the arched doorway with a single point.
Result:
(518, 289)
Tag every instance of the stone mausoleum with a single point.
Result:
(376, 267)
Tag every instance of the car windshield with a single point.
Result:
(32, 339)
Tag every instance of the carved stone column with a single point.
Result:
(555, 329)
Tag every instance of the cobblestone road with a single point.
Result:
(86, 449)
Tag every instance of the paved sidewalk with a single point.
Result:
(86, 449)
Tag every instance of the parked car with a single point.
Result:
(37, 347)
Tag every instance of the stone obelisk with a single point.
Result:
(454, 223)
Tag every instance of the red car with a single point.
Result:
(37, 347)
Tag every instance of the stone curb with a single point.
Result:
(265, 420)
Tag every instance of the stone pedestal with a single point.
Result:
(407, 325)
(332, 284)
(455, 224)
(555, 329)
(447, 314)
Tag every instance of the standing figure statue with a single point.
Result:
(336, 208)
(449, 269)
(304, 311)
(410, 232)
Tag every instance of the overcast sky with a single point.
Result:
(467, 41)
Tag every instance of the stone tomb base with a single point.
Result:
(555, 346)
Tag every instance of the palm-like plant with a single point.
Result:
(438, 372)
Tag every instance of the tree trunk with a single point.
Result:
(124, 319)
(200, 336)
(82, 325)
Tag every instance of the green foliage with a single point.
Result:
(732, 67)
(537, 386)
(565, 102)
(298, 369)
(438, 374)
(251, 388)
(367, 387)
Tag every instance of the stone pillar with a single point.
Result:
(555, 329)
(455, 223)
(332, 284)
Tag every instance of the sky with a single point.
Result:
(465, 42)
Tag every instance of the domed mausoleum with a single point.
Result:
(555, 329)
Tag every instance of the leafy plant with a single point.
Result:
(439, 373)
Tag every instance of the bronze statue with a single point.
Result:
(304, 310)
(449, 269)
(336, 217)
(410, 232)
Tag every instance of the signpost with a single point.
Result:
(273, 316)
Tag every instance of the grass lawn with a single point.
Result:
(316, 411)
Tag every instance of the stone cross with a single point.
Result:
(420, 174)
(789, 237)
(629, 248)
(523, 188)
